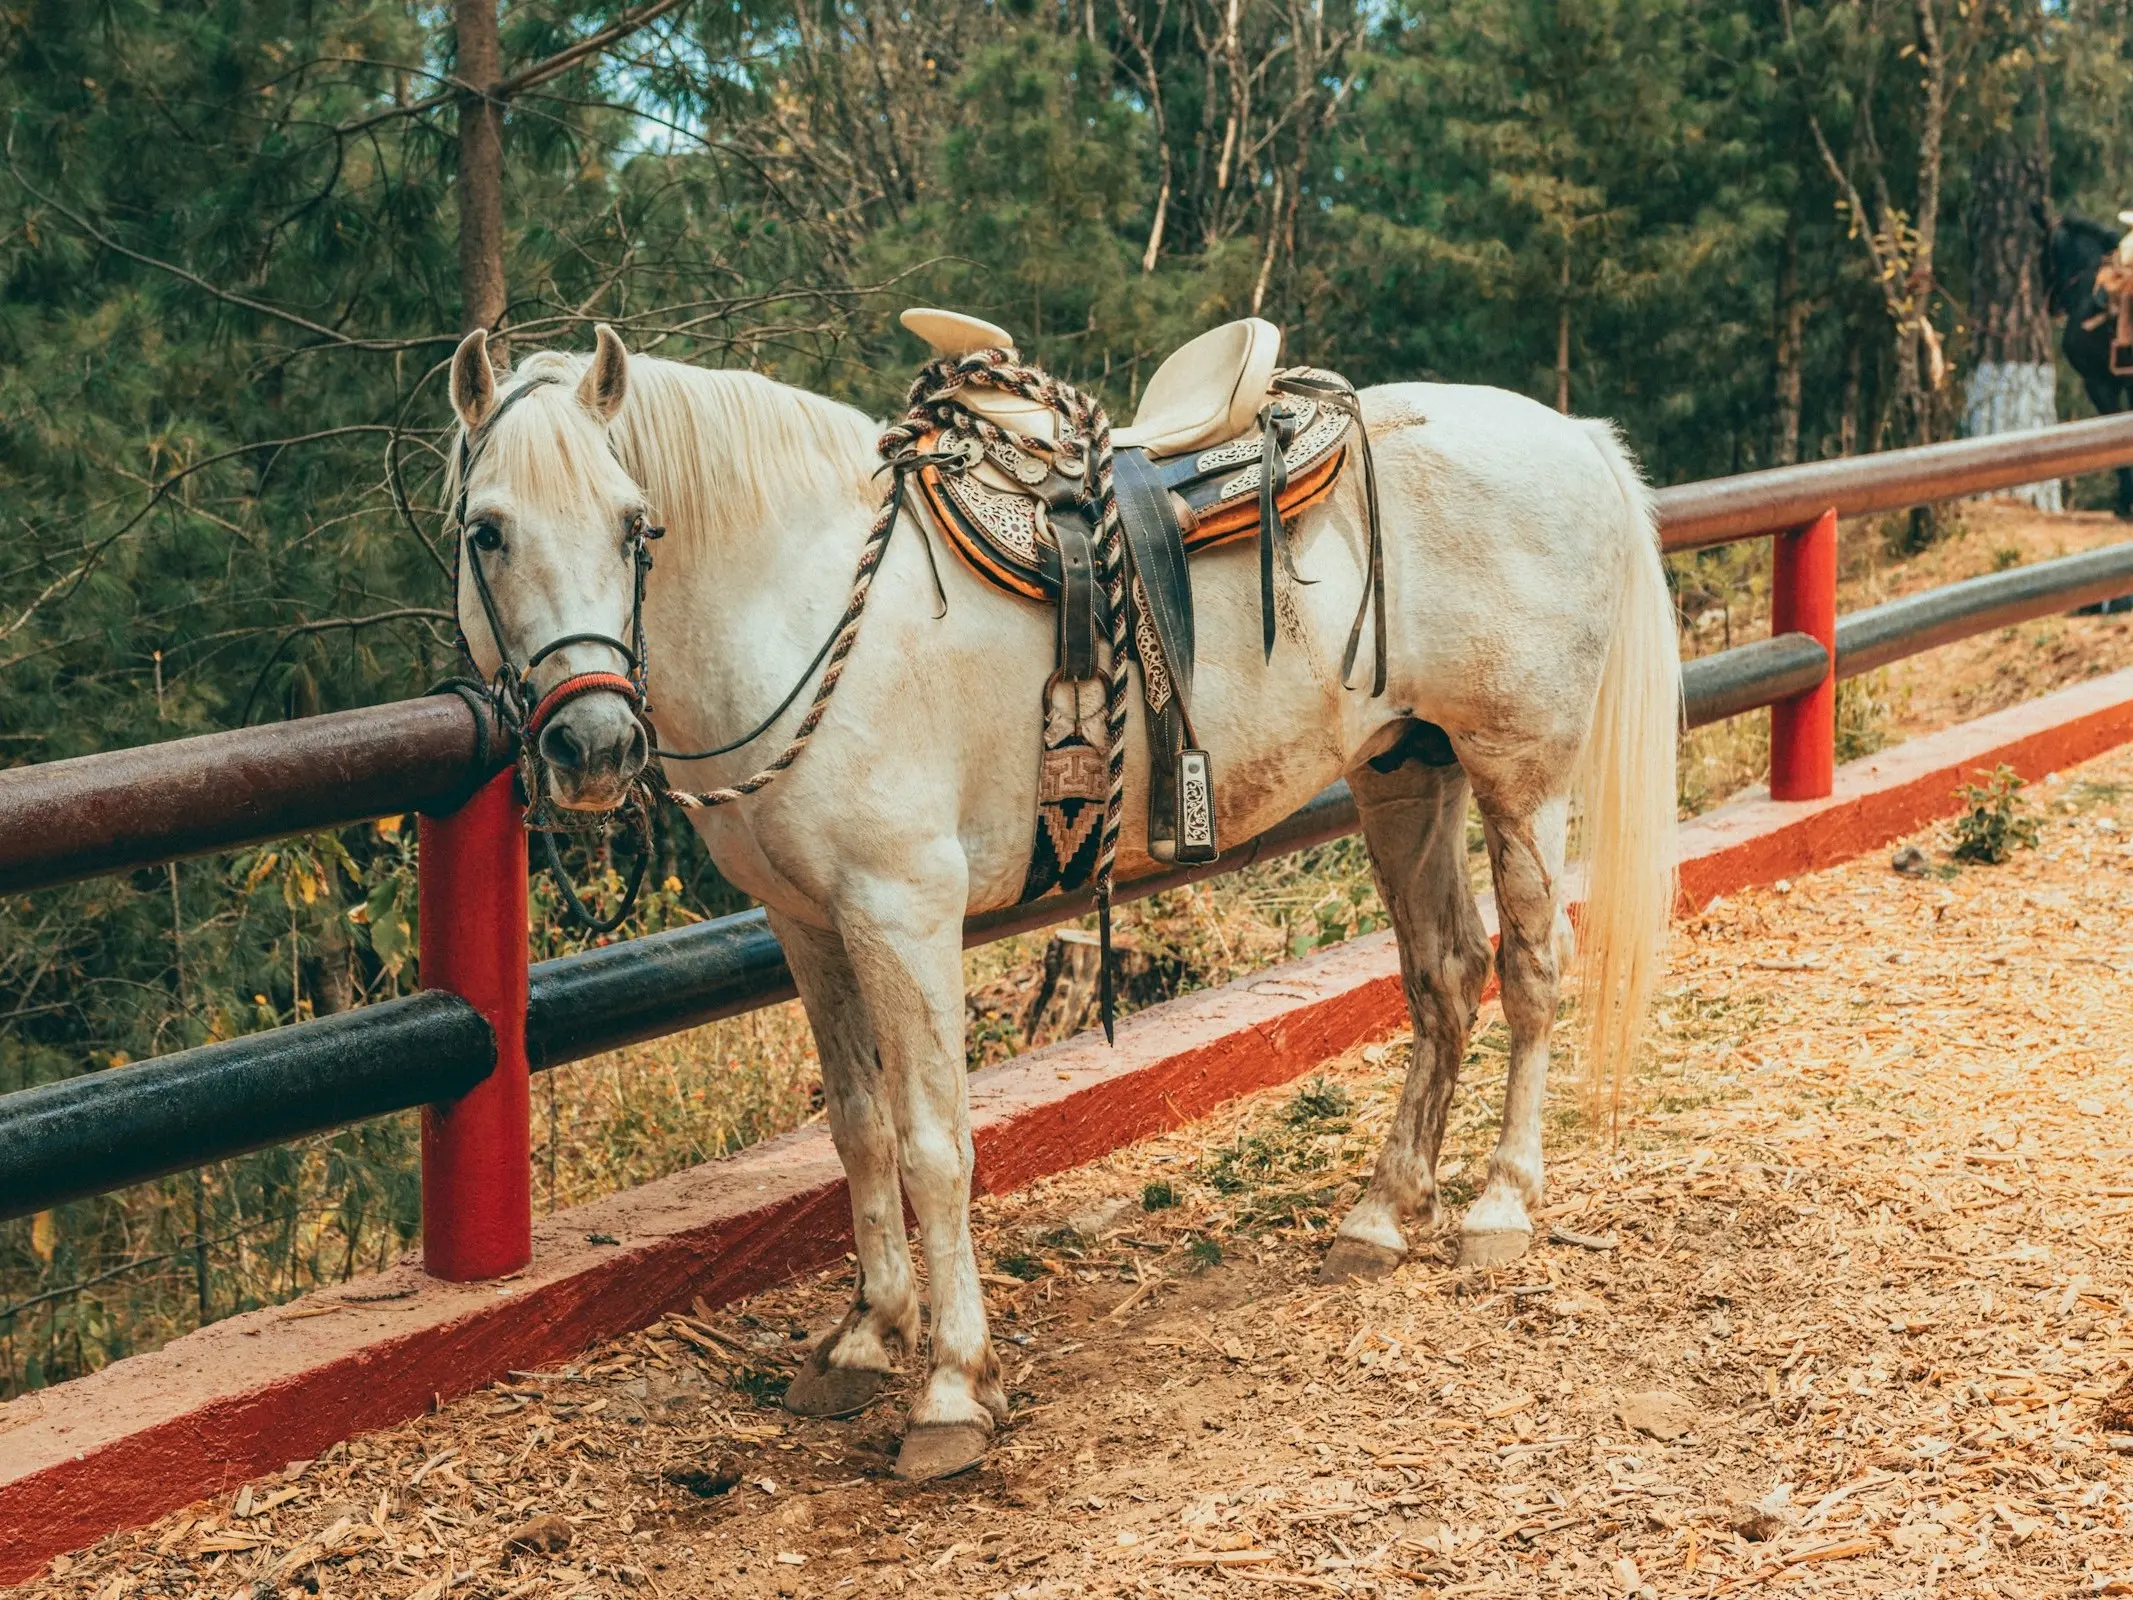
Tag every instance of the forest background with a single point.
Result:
(238, 241)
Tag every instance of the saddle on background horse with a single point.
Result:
(1225, 446)
(2114, 289)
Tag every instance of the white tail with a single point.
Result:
(1626, 792)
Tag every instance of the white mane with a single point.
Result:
(716, 452)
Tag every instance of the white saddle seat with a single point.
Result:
(1207, 393)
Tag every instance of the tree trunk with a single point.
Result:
(1848, 416)
(1562, 339)
(2015, 382)
(333, 980)
(481, 167)
(1791, 324)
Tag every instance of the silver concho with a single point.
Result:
(967, 445)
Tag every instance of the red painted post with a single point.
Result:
(1803, 599)
(477, 1158)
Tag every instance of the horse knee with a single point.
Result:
(936, 1165)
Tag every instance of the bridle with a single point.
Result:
(510, 690)
(507, 693)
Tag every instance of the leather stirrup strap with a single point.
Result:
(1077, 599)
(1273, 532)
(1156, 544)
(1374, 592)
(1339, 394)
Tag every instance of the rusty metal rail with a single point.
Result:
(1721, 510)
(123, 809)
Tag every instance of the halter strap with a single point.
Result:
(571, 688)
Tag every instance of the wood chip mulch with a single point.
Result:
(1844, 1309)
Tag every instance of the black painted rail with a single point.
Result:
(82, 1136)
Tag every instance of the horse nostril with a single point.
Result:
(561, 747)
(640, 750)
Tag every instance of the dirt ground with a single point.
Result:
(1844, 1309)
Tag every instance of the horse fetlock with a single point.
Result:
(955, 1396)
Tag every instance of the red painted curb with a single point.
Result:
(1889, 794)
(247, 1395)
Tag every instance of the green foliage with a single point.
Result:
(1319, 1101)
(1996, 821)
(1158, 1196)
(1862, 717)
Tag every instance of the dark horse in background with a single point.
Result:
(2073, 250)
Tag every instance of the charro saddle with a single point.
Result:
(1225, 447)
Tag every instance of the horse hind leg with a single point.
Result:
(854, 1362)
(1526, 846)
(1414, 823)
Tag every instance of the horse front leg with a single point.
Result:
(854, 1361)
(906, 948)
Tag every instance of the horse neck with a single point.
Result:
(734, 614)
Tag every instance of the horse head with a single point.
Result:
(552, 554)
(2073, 249)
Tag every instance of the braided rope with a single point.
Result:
(932, 406)
(833, 668)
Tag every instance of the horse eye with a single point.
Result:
(487, 536)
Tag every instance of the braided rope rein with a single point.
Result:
(932, 406)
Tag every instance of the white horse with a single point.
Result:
(1530, 621)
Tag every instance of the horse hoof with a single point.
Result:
(833, 1392)
(1495, 1247)
(940, 1450)
(1358, 1261)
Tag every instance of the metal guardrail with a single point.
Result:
(67, 820)
(82, 1136)
(1751, 504)
(1920, 622)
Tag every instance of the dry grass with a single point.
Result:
(1844, 1311)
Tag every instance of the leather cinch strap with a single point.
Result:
(1077, 600)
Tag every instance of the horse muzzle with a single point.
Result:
(588, 733)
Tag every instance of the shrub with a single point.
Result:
(1996, 820)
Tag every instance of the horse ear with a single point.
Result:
(607, 380)
(473, 380)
